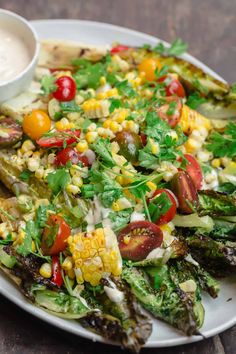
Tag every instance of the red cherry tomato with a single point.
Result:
(56, 271)
(118, 49)
(171, 110)
(66, 88)
(169, 215)
(70, 154)
(66, 136)
(173, 86)
(194, 170)
(55, 234)
(138, 239)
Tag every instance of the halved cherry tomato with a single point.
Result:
(148, 67)
(66, 88)
(36, 124)
(130, 144)
(118, 49)
(194, 170)
(169, 215)
(173, 86)
(66, 136)
(56, 271)
(55, 234)
(70, 154)
(138, 239)
(171, 110)
(183, 187)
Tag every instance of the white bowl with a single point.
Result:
(18, 25)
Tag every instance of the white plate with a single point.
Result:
(220, 313)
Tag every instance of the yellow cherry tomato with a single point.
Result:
(148, 67)
(36, 124)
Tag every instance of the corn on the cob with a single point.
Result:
(191, 119)
(95, 254)
(96, 108)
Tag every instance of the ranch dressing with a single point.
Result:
(14, 55)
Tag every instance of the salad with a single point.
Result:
(118, 172)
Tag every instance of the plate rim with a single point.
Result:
(55, 321)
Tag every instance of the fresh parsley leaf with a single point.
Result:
(139, 188)
(41, 215)
(147, 46)
(233, 88)
(147, 160)
(124, 88)
(48, 84)
(70, 106)
(194, 100)
(159, 206)
(177, 47)
(162, 72)
(89, 75)
(199, 86)
(223, 144)
(227, 187)
(6, 240)
(25, 175)
(103, 147)
(120, 219)
(114, 103)
(58, 180)
(26, 247)
(171, 108)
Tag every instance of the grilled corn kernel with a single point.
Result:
(67, 263)
(71, 273)
(115, 147)
(107, 123)
(152, 186)
(64, 124)
(115, 127)
(155, 148)
(192, 145)
(120, 116)
(39, 173)
(46, 270)
(33, 164)
(77, 181)
(121, 204)
(33, 247)
(27, 146)
(102, 80)
(215, 163)
(91, 137)
(131, 126)
(71, 188)
(82, 146)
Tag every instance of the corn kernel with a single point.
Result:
(27, 146)
(215, 163)
(155, 148)
(33, 247)
(71, 188)
(82, 146)
(107, 123)
(71, 273)
(91, 137)
(192, 145)
(115, 127)
(46, 270)
(102, 80)
(77, 181)
(33, 164)
(152, 186)
(67, 263)
(115, 147)
(64, 124)
(39, 173)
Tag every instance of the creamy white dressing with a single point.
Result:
(14, 55)
(114, 294)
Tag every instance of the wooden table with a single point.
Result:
(209, 28)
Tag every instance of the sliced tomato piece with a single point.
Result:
(183, 187)
(194, 170)
(55, 234)
(169, 215)
(138, 239)
(56, 272)
(66, 136)
(69, 154)
(171, 110)
(173, 86)
(118, 49)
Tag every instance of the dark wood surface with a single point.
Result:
(209, 28)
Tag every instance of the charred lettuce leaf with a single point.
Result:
(169, 303)
(216, 204)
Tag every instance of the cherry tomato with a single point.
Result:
(130, 144)
(118, 49)
(67, 136)
(36, 124)
(194, 170)
(70, 154)
(66, 89)
(183, 187)
(171, 110)
(56, 271)
(173, 86)
(169, 215)
(138, 239)
(148, 66)
(55, 234)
